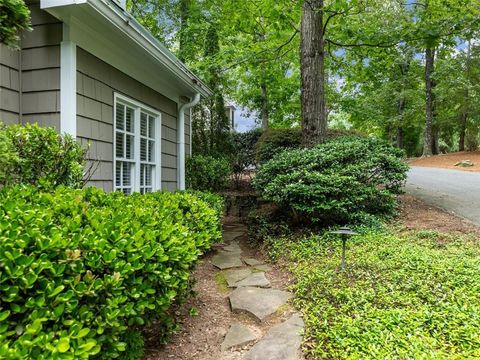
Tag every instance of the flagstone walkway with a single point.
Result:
(251, 294)
(241, 311)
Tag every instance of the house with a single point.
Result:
(91, 70)
(230, 112)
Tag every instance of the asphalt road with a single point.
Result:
(455, 191)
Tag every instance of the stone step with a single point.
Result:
(282, 342)
(226, 260)
(238, 335)
(257, 301)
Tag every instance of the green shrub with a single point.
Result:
(14, 17)
(79, 268)
(9, 158)
(46, 158)
(134, 345)
(207, 173)
(274, 141)
(243, 157)
(339, 181)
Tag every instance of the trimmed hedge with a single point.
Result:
(80, 268)
(343, 180)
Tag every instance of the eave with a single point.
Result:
(102, 28)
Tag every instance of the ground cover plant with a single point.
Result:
(402, 296)
(80, 270)
(344, 180)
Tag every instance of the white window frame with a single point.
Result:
(138, 109)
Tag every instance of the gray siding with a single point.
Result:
(9, 85)
(40, 64)
(30, 78)
(96, 83)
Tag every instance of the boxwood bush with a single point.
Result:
(343, 180)
(43, 157)
(80, 268)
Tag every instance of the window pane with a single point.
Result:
(129, 120)
(151, 127)
(142, 175)
(151, 150)
(119, 145)
(127, 174)
(148, 175)
(143, 124)
(143, 149)
(127, 191)
(129, 147)
(118, 173)
(119, 116)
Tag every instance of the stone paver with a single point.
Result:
(263, 267)
(238, 335)
(257, 301)
(257, 279)
(234, 276)
(226, 260)
(233, 247)
(252, 261)
(232, 235)
(282, 342)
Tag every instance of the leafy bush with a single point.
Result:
(243, 157)
(401, 296)
(46, 158)
(14, 17)
(134, 345)
(79, 268)
(207, 173)
(339, 181)
(9, 158)
(274, 141)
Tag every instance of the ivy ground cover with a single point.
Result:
(413, 296)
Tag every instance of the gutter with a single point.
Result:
(181, 140)
(150, 44)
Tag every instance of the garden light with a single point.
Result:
(344, 233)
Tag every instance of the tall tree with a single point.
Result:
(312, 47)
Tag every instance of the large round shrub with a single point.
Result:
(337, 182)
(207, 173)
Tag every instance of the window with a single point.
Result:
(137, 147)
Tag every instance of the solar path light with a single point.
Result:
(344, 233)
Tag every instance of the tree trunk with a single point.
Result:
(429, 66)
(463, 128)
(264, 99)
(184, 15)
(465, 107)
(314, 122)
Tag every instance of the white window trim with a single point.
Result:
(138, 106)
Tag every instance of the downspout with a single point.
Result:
(181, 140)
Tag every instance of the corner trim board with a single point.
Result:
(68, 84)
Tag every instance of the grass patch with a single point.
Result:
(221, 281)
(413, 295)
